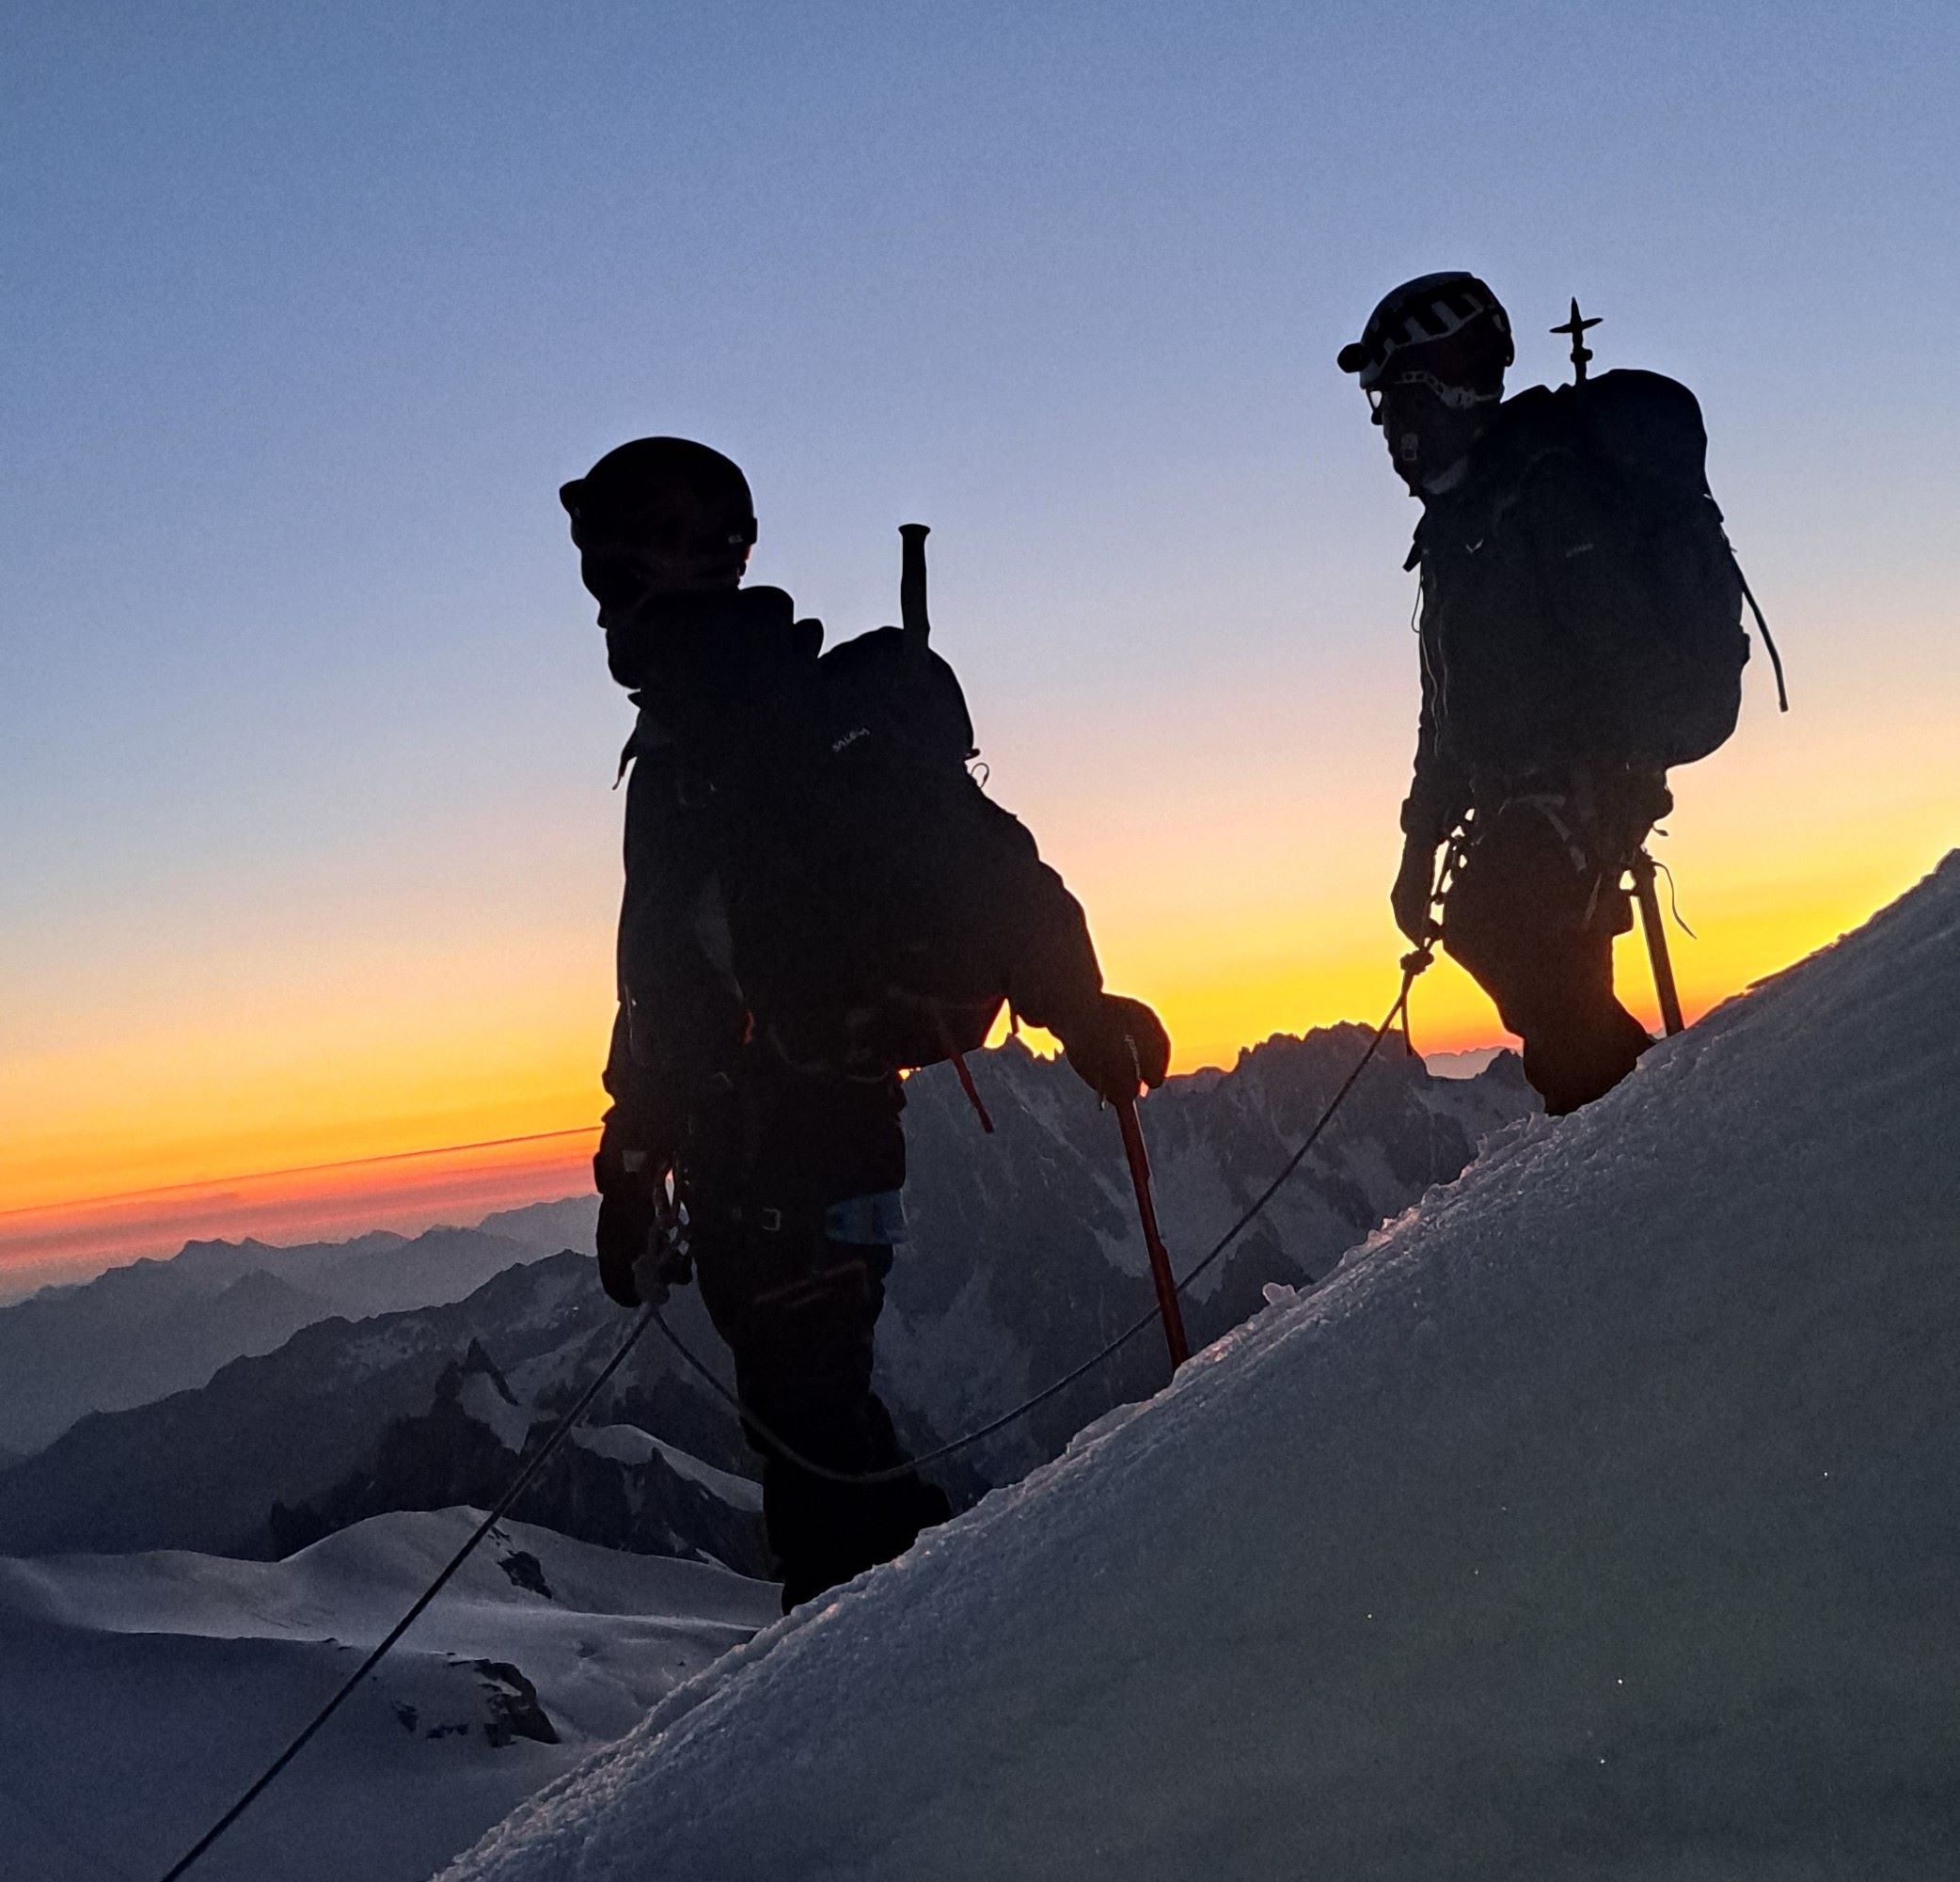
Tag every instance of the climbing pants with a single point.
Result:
(1532, 908)
(799, 1313)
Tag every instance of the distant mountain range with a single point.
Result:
(1025, 1255)
(205, 1468)
(612, 1483)
(135, 1334)
(1462, 1065)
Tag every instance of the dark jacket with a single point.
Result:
(1510, 592)
(725, 685)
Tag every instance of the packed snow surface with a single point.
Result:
(140, 1694)
(1598, 1519)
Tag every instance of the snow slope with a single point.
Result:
(142, 1693)
(1598, 1519)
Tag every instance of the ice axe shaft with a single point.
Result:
(911, 585)
(1153, 1241)
(1643, 870)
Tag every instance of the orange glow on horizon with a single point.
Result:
(380, 1027)
(345, 1168)
(351, 1170)
(404, 1191)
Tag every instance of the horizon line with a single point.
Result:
(299, 1170)
(482, 1144)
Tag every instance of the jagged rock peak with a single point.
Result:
(476, 1363)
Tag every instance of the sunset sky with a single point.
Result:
(306, 737)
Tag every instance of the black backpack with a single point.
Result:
(1666, 643)
(869, 881)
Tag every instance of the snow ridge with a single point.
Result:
(144, 1691)
(1596, 1519)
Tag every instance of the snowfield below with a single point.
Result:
(1599, 1518)
(140, 1694)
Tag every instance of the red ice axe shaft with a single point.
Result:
(1160, 1258)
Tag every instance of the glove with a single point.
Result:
(642, 1243)
(1119, 1046)
(1415, 883)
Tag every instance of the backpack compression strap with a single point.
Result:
(1775, 660)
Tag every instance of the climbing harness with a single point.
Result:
(1165, 1308)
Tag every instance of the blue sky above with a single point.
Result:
(310, 312)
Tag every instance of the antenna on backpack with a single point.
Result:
(911, 586)
(1581, 352)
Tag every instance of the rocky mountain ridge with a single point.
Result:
(136, 1334)
(1024, 1256)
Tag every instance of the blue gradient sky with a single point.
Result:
(303, 729)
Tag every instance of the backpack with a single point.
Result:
(1665, 642)
(869, 881)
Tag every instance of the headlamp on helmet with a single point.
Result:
(1448, 332)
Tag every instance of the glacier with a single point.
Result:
(139, 1694)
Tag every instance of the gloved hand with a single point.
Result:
(643, 1242)
(1414, 883)
(1119, 1045)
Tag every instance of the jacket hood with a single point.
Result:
(686, 658)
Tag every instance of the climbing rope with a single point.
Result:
(560, 1433)
(1412, 964)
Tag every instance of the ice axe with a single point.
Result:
(916, 625)
(1153, 1241)
(1644, 870)
(912, 587)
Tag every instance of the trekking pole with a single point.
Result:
(1643, 872)
(1153, 1241)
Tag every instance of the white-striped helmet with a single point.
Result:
(1447, 331)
